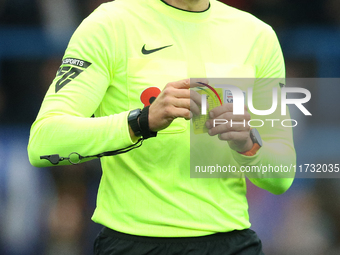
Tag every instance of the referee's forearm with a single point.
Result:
(64, 134)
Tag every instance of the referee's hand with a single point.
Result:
(173, 102)
(237, 135)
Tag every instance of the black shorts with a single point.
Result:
(238, 242)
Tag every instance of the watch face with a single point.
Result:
(133, 121)
(255, 136)
(134, 114)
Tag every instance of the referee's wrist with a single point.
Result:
(143, 122)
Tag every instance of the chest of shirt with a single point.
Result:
(151, 54)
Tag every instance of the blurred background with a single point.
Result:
(47, 211)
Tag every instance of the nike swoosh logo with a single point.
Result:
(146, 52)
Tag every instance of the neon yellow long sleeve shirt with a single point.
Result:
(112, 63)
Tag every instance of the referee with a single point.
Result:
(128, 64)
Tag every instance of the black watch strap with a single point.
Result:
(144, 124)
(133, 121)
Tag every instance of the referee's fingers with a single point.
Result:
(181, 93)
(198, 82)
(182, 84)
(194, 108)
(227, 107)
(196, 97)
(182, 103)
(188, 83)
(181, 113)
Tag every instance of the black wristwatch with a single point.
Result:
(133, 122)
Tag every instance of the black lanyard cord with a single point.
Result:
(55, 158)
